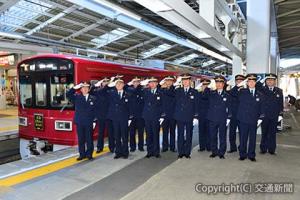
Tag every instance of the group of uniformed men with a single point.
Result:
(124, 109)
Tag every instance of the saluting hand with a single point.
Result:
(78, 86)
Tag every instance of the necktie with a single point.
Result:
(152, 91)
(120, 95)
(220, 92)
(252, 92)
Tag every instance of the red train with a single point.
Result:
(45, 114)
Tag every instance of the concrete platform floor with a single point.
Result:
(168, 177)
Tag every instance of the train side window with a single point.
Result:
(25, 91)
(60, 84)
(40, 94)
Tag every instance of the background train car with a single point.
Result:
(45, 114)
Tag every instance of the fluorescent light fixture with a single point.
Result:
(155, 5)
(220, 66)
(210, 62)
(22, 12)
(118, 9)
(156, 50)
(101, 52)
(11, 35)
(110, 37)
(186, 58)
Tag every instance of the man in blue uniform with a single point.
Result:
(273, 108)
(234, 106)
(169, 123)
(249, 111)
(217, 114)
(84, 116)
(152, 113)
(184, 114)
(137, 124)
(204, 138)
(119, 112)
(100, 91)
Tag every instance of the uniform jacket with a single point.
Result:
(102, 101)
(84, 110)
(153, 105)
(234, 92)
(273, 104)
(185, 104)
(203, 103)
(250, 108)
(137, 103)
(119, 108)
(219, 106)
(168, 102)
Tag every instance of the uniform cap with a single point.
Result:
(239, 77)
(85, 84)
(251, 77)
(153, 79)
(205, 81)
(186, 76)
(219, 78)
(136, 79)
(169, 78)
(271, 76)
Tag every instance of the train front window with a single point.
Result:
(40, 93)
(25, 91)
(60, 84)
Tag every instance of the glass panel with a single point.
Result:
(25, 91)
(156, 50)
(60, 84)
(40, 94)
(110, 37)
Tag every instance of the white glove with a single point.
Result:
(78, 86)
(259, 122)
(145, 82)
(161, 120)
(280, 118)
(198, 87)
(99, 83)
(162, 82)
(112, 84)
(112, 78)
(227, 122)
(212, 84)
(243, 83)
(178, 81)
(129, 122)
(130, 83)
(195, 122)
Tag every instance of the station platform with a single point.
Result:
(8, 123)
(164, 178)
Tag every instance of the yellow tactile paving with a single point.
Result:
(35, 173)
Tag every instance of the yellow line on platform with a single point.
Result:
(35, 173)
(9, 128)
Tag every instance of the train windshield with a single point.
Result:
(44, 83)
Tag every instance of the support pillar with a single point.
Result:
(258, 36)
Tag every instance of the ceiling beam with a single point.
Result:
(7, 5)
(139, 45)
(179, 54)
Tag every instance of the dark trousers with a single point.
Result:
(169, 126)
(184, 137)
(121, 137)
(218, 130)
(152, 137)
(103, 125)
(248, 139)
(204, 139)
(85, 140)
(268, 137)
(111, 137)
(232, 134)
(137, 125)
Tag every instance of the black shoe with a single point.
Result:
(117, 156)
(188, 156)
(99, 150)
(222, 157)
(231, 151)
(164, 150)
(173, 150)
(158, 156)
(112, 150)
(262, 152)
(125, 157)
(180, 156)
(199, 150)
(80, 158)
(242, 158)
(132, 150)
(272, 153)
(90, 158)
(148, 156)
(212, 155)
(141, 150)
(252, 159)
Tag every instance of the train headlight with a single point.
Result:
(63, 125)
(23, 121)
